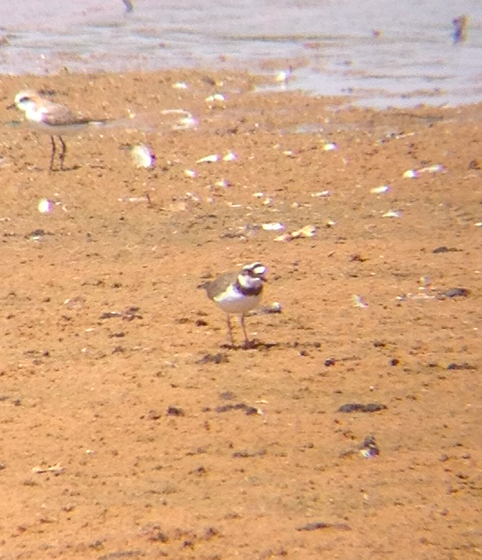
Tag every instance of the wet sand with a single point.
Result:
(129, 428)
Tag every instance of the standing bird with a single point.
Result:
(461, 26)
(237, 293)
(52, 118)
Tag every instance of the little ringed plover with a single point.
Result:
(237, 293)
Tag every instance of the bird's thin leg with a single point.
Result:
(241, 322)
(52, 155)
(63, 153)
(230, 330)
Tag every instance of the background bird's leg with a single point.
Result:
(63, 153)
(52, 155)
(230, 330)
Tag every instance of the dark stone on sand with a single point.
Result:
(315, 526)
(455, 292)
(219, 358)
(358, 407)
(444, 249)
(455, 366)
(174, 411)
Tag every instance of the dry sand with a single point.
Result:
(128, 430)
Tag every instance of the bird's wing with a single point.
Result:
(56, 114)
(219, 285)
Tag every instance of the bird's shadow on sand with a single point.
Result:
(250, 345)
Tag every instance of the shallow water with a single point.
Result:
(379, 52)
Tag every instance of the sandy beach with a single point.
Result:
(351, 428)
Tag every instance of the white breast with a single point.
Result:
(34, 114)
(232, 301)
